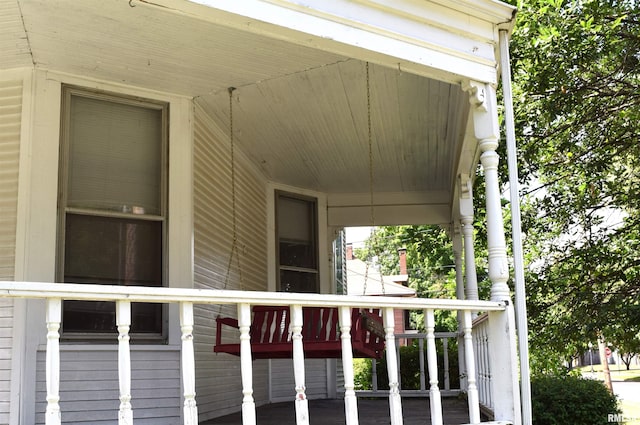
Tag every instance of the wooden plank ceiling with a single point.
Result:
(300, 114)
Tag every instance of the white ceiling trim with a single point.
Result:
(401, 40)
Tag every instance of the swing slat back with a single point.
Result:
(271, 333)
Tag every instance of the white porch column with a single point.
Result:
(301, 403)
(485, 120)
(457, 253)
(502, 337)
(456, 242)
(54, 317)
(466, 221)
(503, 360)
(123, 322)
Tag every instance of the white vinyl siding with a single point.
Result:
(283, 383)
(10, 116)
(10, 121)
(90, 378)
(6, 322)
(218, 385)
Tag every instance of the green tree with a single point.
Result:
(576, 88)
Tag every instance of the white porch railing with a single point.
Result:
(446, 339)
(483, 365)
(54, 294)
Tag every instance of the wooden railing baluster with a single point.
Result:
(432, 363)
(188, 364)
(123, 323)
(395, 403)
(301, 403)
(53, 318)
(350, 401)
(246, 367)
(472, 390)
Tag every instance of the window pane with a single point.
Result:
(295, 281)
(115, 158)
(296, 232)
(114, 251)
(108, 250)
(100, 316)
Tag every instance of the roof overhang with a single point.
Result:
(298, 67)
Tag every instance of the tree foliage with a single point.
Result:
(576, 72)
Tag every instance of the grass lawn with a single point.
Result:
(622, 374)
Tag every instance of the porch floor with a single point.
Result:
(370, 411)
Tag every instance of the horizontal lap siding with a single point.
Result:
(283, 382)
(89, 388)
(10, 121)
(218, 389)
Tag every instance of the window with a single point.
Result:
(112, 207)
(297, 238)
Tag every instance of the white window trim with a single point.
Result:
(324, 244)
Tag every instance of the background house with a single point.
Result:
(366, 279)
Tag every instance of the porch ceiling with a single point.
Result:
(300, 113)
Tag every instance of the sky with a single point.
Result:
(357, 235)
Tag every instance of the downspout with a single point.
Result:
(518, 261)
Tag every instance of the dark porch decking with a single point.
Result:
(415, 411)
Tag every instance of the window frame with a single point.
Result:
(67, 92)
(314, 221)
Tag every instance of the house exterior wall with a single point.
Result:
(218, 387)
(10, 122)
